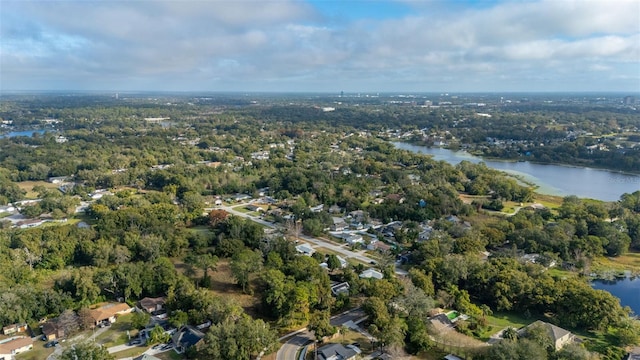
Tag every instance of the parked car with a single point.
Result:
(51, 344)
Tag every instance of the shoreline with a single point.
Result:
(515, 160)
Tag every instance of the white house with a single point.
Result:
(352, 239)
(305, 249)
(371, 274)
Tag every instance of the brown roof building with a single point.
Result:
(15, 346)
(108, 312)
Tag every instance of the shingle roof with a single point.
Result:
(340, 350)
(17, 343)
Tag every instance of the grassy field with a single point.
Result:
(117, 333)
(28, 187)
(501, 320)
(549, 201)
(38, 352)
(629, 261)
(136, 351)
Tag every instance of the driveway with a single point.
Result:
(300, 338)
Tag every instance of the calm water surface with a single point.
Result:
(627, 290)
(551, 179)
(27, 133)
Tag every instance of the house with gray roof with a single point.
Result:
(336, 352)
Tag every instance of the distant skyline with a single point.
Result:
(320, 46)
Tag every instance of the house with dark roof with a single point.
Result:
(51, 330)
(151, 305)
(186, 337)
(336, 352)
(441, 322)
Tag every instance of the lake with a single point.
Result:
(627, 290)
(27, 133)
(551, 179)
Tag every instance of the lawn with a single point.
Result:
(117, 333)
(548, 201)
(28, 187)
(501, 320)
(38, 352)
(169, 355)
(129, 353)
(201, 230)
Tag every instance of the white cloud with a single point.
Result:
(287, 42)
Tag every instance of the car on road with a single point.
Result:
(51, 344)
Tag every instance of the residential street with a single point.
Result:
(345, 252)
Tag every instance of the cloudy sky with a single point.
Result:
(320, 45)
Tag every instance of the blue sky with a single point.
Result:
(320, 45)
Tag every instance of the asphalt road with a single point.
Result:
(346, 253)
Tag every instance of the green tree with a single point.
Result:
(140, 319)
(320, 326)
(86, 350)
(333, 262)
(157, 335)
(245, 263)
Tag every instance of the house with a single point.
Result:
(441, 322)
(151, 305)
(51, 330)
(241, 197)
(186, 337)
(58, 179)
(336, 352)
(559, 336)
(357, 215)
(14, 328)
(108, 312)
(255, 208)
(14, 346)
(305, 249)
(379, 245)
(352, 239)
(338, 224)
(7, 208)
(371, 274)
(396, 197)
(341, 288)
(335, 209)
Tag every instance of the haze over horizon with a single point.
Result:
(321, 46)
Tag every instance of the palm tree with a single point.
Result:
(344, 330)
